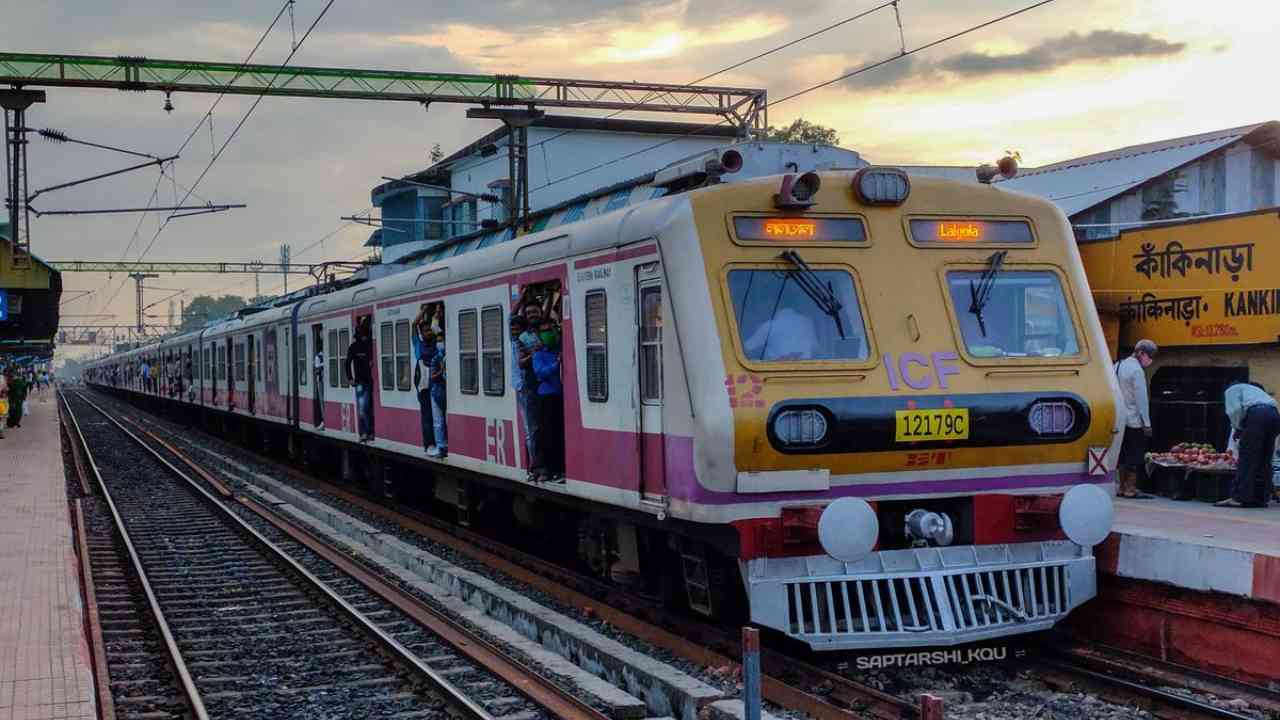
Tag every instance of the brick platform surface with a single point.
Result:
(44, 655)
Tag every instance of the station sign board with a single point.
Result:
(1199, 282)
(4, 305)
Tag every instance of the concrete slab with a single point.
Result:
(733, 710)
(1196, 546)
(44, 653)
(664, 689)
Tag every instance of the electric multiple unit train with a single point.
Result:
(862, 409)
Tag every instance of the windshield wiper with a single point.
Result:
(980, 292)
(821, 294)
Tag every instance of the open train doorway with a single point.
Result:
(653, 477)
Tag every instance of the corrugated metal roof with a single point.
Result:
(1083, 182)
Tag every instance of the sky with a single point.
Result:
(1063, 80)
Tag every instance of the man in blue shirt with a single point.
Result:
(425, 349)
(549, 462)
(439, 401)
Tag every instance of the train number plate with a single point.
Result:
(925, 425)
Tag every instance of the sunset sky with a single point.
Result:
(1070, 78)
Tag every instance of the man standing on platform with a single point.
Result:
(1131, 373)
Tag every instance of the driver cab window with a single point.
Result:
(1024, 315)
(792, 315)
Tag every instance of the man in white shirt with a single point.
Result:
(1132, 377)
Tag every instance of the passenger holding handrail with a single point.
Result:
(360, 371)
(439, 401)
(549, 463)
(426, 350)
(524, 381)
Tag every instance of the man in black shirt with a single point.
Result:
(360, 372)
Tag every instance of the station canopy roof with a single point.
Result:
(1080, 183)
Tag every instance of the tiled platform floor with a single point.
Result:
(44, 656)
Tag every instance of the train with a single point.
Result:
(861, 408)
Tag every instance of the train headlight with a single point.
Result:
(848, 529)
(881, 186)
(800, 428)
(1085, 515)
(1052, 418)
(936, 527)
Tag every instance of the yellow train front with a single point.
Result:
(901, 399)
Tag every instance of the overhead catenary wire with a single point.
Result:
(812, 88)
(728, 68)
(207, 116)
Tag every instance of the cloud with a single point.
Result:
(1066, 50)
(1050, 54)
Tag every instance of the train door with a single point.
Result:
(251, 372)
(270, 361)
(653, 478)
(229, 361)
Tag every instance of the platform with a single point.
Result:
(1196, 546)
(44, 655)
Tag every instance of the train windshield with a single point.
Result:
(1026, 315)
(781, 317)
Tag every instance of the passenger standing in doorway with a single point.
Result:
(360, 374)
(439, 401)
(525, 381)
(317, 377)
(1132, 377)
(426, 348)
(549, 464)
(1255, 420)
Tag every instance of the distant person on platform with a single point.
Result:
(17, 398)
(4, 401)
(1255, 420)
(1132, 376)
(360, 372)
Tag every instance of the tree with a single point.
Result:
(436, 153)
(207, 308)
(802, 131)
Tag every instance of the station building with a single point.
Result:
(1181, 244)
(29, 299)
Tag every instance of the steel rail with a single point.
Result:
(92, 618)
(548, 695)
(631, 614)
(1116, 688)
(543, 692)
(402, 654)
(171, 645)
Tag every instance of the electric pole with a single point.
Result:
(138, 278)
(284, 261)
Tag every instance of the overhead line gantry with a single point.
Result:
(516, 101)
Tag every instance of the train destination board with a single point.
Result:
(952, 231)
(821, 229)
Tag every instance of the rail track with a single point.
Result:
(814, 688)
(254, 621)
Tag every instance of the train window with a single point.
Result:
(782, 315)
(651, 343)
(221, 364)
(207, 364)
(333, 358)
(302, 363)
(387, 355)
(404, 379)
(468, 365)
(492, 338)
(343, 344)
(597, 346)
(239, 362)
(1025, 314)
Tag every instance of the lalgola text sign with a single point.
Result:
(1194, 282)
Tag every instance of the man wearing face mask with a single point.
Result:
(1132, 377)
(549, 462)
